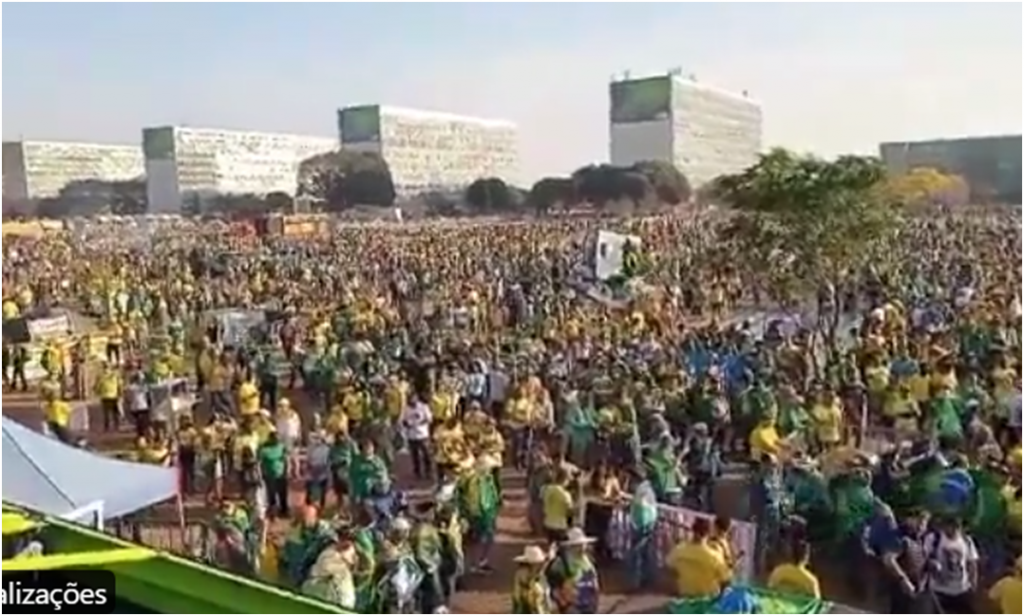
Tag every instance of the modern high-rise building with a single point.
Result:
(428, 151)
(705, 132)
(990, 165)
(35, 170)
(187, 167)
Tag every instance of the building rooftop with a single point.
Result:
(256, 133)
(439, 116)
(941, 140)
(693, 82)
(78, 144)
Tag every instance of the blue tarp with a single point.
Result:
(45, 475)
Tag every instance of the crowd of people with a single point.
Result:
(875, 414)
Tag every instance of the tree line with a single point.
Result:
(341, 181)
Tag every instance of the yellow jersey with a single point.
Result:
(701, 570)
(796, 580)
(58, 413)
(765, 441)
(1007, 595)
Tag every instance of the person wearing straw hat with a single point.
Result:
(573, 576)
(530, 591)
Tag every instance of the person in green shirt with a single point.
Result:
(428, 547)
(343, 449)
(453, 562)
(273, 460)
(368, 474)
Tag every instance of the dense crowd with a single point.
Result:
(874, 412)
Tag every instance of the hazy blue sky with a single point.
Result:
(835, 77)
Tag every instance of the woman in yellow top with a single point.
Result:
(796, 578)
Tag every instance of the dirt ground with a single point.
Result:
(482, 595)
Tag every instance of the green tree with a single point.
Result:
(548, 193)
(669, 184)
(96, 198)
(490, 195)
(807, 220)
(345, 179)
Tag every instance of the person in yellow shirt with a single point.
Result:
(248, 398)
(521, 414)
(109, 390)
(901, 408)
(700, 567)
(796, 578)
(1006, 595)
(765, 440)
(827, 419)
(558, 506)
(57, 412)
(1013, 511)
(396, 397)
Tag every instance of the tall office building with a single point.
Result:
(187, 167)
(35, 170)
(429, 151)
(705, 132)
(990, 165)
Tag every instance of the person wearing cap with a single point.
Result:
(1006, 594)
(700, 568)
(531, 593)
(573, 577)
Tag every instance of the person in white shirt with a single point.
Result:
(1015, 412)
(416, 421)
(137, 404)
(953, 564)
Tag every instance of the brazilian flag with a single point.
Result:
(750, 601)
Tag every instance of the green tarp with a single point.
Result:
(768, 603)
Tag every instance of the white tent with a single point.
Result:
(45, 475)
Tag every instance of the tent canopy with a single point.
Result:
(48, 476)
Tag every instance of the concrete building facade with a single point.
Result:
(990, 165)
(430, 151)
(187, 167)
(704, 131)
(34, 170)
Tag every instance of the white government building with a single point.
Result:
(702, 130)
(429, 151)
(40, 169)
(186, 167)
